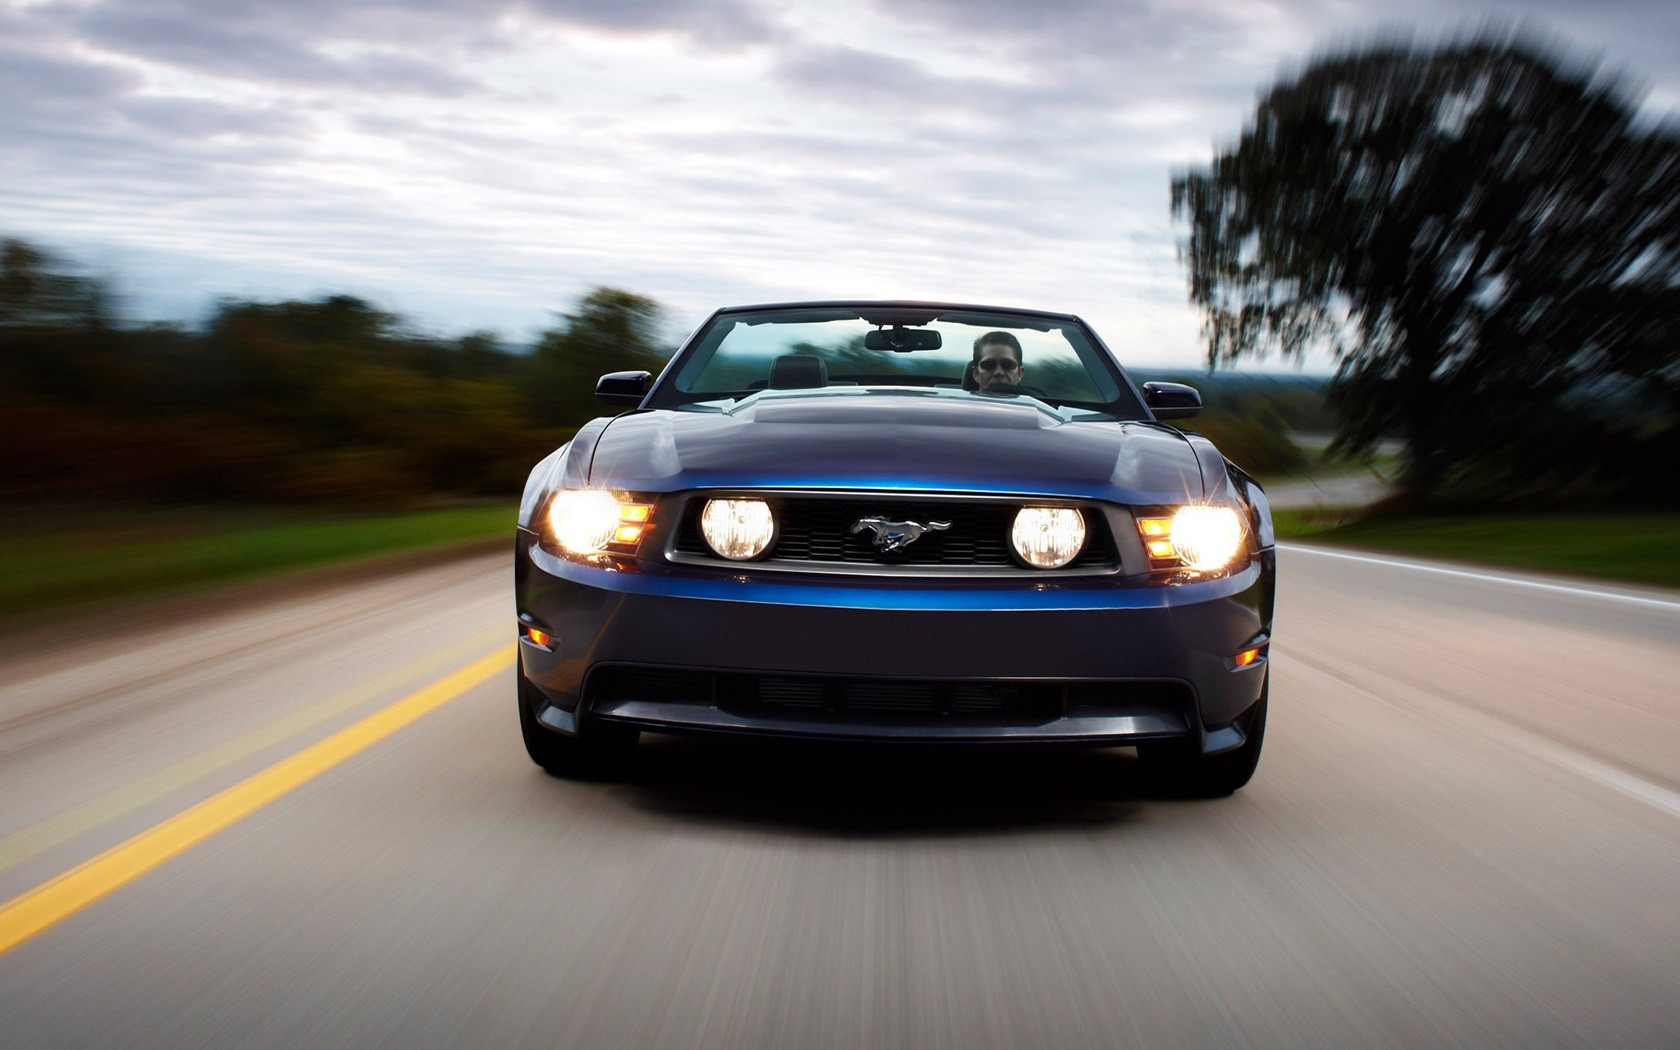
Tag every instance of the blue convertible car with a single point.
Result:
(896, 521)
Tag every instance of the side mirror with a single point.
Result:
(623, 388)
(1172, 400)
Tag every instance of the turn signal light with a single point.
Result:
(539, 637)
(1157, 540)
(1248, 656)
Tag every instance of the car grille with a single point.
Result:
(876, 699)
(816, 531)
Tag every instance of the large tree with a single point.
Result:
(1481, 233)
(610, 330)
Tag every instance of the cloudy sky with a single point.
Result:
(479, 163)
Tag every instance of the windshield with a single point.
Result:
(983, 355)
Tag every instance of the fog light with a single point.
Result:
(738, 529)
(1048, 537)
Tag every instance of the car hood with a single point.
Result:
(870, 440)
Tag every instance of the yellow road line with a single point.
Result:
(48, 832)
(25, 916)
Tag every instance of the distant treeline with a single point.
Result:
(1250, 417)
(333, 401)
(330, 400)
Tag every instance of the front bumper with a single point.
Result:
(1101, 662)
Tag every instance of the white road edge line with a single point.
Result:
(1519, 581)
(1608, 775)
(1522, 740)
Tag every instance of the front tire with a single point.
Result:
(1180, 770)
(598, 752)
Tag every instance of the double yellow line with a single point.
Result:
(25, 916)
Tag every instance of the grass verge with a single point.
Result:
(81, 557)
(1635, 547)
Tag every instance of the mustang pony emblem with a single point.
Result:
(896, 535)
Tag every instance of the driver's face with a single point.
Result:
(997, 366)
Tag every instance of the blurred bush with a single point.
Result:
(324, 401)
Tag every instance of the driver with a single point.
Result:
(997, 361)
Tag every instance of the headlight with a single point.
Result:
(1048, 537)
(593, 521)
(738, 529)
(1206, 537)
(583, 521)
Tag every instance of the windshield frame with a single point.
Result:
(1128, 404)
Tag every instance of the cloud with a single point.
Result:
(868, 79)
(41, 83)
(88, 134)
(234, 43)
(725, 24)
(393, 47)
(1049, 37)
(197, 118)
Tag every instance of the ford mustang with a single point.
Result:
(896, 521)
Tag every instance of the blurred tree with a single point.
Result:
(1478, 232)
(610, 330)
(335, 320)
(53, 324)
(480, 355)
(38, 290)
(324, 400)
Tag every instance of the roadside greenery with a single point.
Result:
(112, 553)
(328, 402)
(1635, 547)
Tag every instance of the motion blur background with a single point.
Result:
(311, 284)
(272, 274)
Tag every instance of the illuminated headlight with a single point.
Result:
(1205, 537)
(738, 529)
(583, 521)
(1048, 537)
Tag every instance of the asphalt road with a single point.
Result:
(1465, 831)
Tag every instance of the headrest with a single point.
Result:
(797, 372)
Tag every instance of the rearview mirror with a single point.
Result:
(1172, 400)
(623, 388)
(902, 340)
